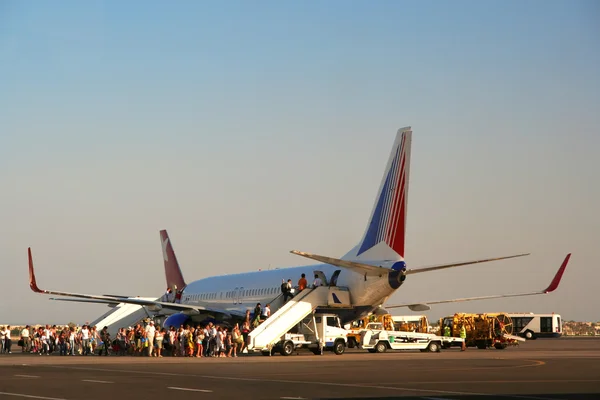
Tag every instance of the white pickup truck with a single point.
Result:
(317, 332)
(379, 340)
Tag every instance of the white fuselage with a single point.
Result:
(241, 292)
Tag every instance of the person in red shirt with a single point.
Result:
(302, 283)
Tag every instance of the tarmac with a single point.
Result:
(562, 368)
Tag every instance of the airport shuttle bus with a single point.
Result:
(533, 326)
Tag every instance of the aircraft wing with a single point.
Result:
(424, 306)
(154, 305)
(113, 302)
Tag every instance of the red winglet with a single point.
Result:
(558, 276)
(32, 284)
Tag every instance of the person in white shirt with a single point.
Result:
(72, 341)
(266, 312)
(7, 341)
(317, 282)
(2, 339)
(150, 332)
(44, 340)
(85, 340)
(26, 348)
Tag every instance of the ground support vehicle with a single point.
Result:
(379, 341)
(373, 321)
(482, 330)
(408, 323)
(317, 332)
(532, 326)
(411, 323)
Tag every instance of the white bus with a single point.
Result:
(533, 326)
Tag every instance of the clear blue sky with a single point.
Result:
(248, 129)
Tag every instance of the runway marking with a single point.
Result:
(514, 396)
(29, 396)
(504, 381)
(27, 376)
(95, 381)
(189, 390)
(536, 363)
(499, 395)
(299, 382)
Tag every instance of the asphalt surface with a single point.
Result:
(541, 369)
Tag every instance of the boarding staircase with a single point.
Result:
(286, 317)
(122, 315)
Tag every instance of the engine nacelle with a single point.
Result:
(176, 320)
(397, 275)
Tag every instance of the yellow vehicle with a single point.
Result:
(483, 330)
(411, 323)
(387, 322)
(373, 321)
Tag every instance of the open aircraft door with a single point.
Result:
(321, 275)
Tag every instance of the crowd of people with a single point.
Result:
(147, 338)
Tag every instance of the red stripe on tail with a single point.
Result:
(172, 271)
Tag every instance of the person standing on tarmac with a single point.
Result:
(447, 330)
(463, 336)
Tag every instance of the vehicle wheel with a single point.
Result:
(339, 347)
(528, 335)
(500, 346)
(380, 347)
(434, 347)
(287, 349)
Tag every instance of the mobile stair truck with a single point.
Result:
(379, 341)
(298, 324)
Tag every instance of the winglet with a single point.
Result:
(554, 284)
(32, 284)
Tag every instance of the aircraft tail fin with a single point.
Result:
(384, 236)
(172, 271)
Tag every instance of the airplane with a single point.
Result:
(371, 271)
